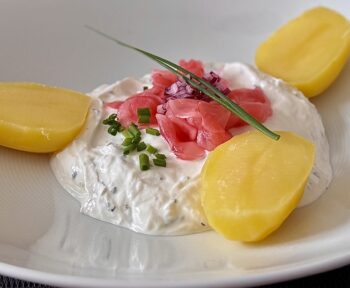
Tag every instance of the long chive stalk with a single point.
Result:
(198, 83)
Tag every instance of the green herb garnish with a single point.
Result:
(143, 112)
(159, 162)
(152, 131)
(150, 149)
(132, 140)
(113, 130)
(121, 128)
(144, 115)
(136, 140)
(144, 119)
(141, 146)
(110, 120)
(144, 162)
(127, 141)
(128, 149)
(160, 156)
(201, 85)
(127, 134)
(134, 130)
(114, 125)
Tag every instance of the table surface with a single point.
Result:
(338, 278)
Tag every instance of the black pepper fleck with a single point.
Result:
(203, 224)
(175, 201)
(112, 210)
(126, 206)
(114, 190)
(74, 174)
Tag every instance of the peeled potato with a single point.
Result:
(251, 183)
(38, 118)
(309, 51)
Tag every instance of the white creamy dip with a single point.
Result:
(166, 201)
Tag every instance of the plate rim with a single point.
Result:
(279, 273)
(287, 273)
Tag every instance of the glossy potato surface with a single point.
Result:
(309, 51)
(251, 183)
(38, 118)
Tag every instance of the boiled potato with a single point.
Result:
(38, 118)
(309, 51)
(251, 183)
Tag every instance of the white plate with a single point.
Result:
(43, 237)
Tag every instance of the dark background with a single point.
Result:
(339, 278)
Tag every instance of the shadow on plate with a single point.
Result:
(26, 202)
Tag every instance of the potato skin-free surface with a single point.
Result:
(251, 183)
(39, 118)
(309, 51)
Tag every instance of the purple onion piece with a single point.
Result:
(181, 90)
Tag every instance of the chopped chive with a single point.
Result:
(136, 140)
(144, 162)
(113, 130)
(129, 149)
(134, 130)
(141, 146)
(144, 115)
(127, 141)
(110, 120)
(144, 119)
(159, 162)
(121, 128)
(106, 122)
(160, 156)
(151, 149)
(143, 112)
(152, 131)
(117, 125)
(127, 134)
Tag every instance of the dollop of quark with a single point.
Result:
(166, 201)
